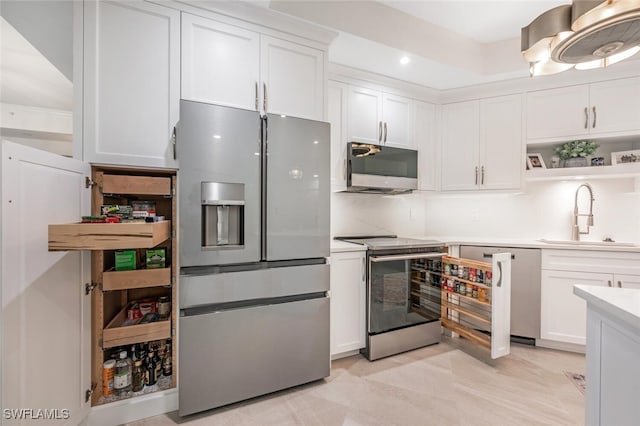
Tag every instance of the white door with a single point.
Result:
(459, 168)
(501, 142)
(501, 305)
(292, 78)
(131, 83)
(558, 113)
(396, 121)
(348, 300)
(337, 115)
(563, 316)
(424, 136)
(46, 317)
(220, 63)
(626, 281)
(615, 106)
(364, 122)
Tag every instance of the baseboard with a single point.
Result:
(562, 346)
(132, 409)
(345, 354)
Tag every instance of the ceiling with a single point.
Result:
(453, 43)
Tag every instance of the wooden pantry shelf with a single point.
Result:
(136, 185)
(115, 334)
(469, 333)
(467, 282)
(464, 297)
(108, 236)
(140, 278)
(468, 312)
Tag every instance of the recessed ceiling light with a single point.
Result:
(405, 60)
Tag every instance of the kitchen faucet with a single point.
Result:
(575, 230)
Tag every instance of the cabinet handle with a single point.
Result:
(482, 176)
(476, 175)
(364, 269)
(499, 283)
(609, 283)
(256, 96)
(379, 131)
(264, 100)
(173, 142)
(586, 117)
(489, 256)
(594, 117)
(620, 284)
(385, 132)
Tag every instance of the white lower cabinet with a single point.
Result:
(563, 315)
(348, 301)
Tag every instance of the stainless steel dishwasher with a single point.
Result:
(525, 288)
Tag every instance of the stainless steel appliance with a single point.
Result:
(525, 288)
(381, 169)
(394, 323)
(254, 238)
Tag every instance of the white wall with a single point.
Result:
(544, 210)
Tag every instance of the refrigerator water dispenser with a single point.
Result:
(222, 214)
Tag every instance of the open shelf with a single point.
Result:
(467, 311)
(108, 236)
(139, 278)
(596, 172)
(471, 334)
(163, 383)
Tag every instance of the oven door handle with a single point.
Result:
(406, 257)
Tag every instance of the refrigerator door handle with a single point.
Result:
(264, 98)
(257, 108)
(173, 142)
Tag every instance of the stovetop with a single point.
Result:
(384, 242)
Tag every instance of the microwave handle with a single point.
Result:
(376, 259)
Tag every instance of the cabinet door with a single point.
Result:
(558, 113)
(563, 316)
(501, 142)
(220, 63)
(365, 115)
(615, 106)
(460, 169)
(46, 317)
(501, 305)
(348, 300)
(424, 136)
(292, 79)
(396, 121)
(337, 115)
(626, 281)
(131, 83)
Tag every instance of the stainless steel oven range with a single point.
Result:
(396, 321)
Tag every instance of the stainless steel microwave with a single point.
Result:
(381, 169)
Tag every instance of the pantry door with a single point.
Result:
(46, 321)
(501, 305)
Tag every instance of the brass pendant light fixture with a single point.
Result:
(586, 34)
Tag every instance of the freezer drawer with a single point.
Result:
(234, 355)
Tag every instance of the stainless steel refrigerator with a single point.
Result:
(254, 239)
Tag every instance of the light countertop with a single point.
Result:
(621, 304)
(338, 246)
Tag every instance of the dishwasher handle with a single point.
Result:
(490, 255)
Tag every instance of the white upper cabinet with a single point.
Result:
(364, 115)
(501, 142)
(337, 115)
(424, 135)
(380, 118)
(460, 146)
(482, 144)
(220, 63)
(609, 108)
(229, 65)
(131, 83)
(396, 127)
(292, 78)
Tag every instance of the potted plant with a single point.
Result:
(575, 153)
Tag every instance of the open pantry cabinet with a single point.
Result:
(115, 290)
(471, 298)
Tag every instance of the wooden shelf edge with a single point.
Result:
(473, 335)
(467, 312)
(592, 172)
(107, 236)
(136, 185)
(115, 335)
(465, 297)
(139, 278)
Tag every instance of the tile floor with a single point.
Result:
(452, 383)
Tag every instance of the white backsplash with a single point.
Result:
(544, 210)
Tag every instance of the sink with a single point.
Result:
(588, 243)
